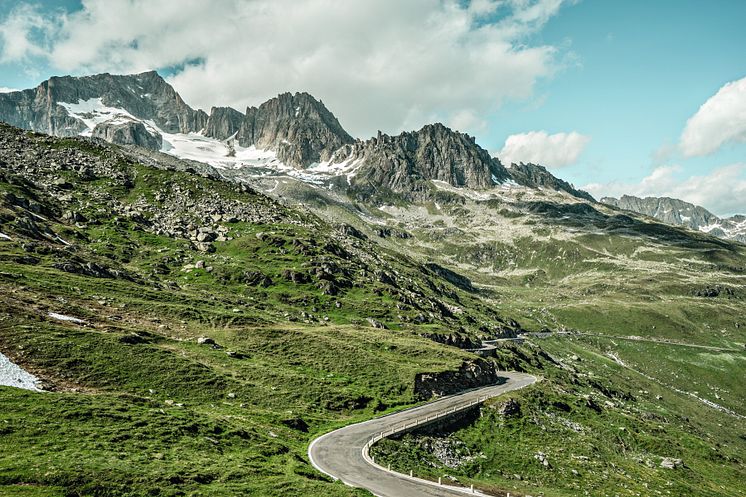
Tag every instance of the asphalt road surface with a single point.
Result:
(339, 454)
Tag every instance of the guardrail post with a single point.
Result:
(411, 473)
(389, 467)
(439, 483)
(472, 488)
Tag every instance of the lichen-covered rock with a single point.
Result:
(471, 374)
(508, 408)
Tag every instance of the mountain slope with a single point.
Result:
(680, 213)
(537, 176)
(195, 333)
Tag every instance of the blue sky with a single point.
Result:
(642, 69)
(599, 91)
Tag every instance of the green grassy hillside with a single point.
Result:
(293, 310)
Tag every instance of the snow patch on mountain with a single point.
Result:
(93, 112)
(221, 154)
(63, 317)
(12, 375)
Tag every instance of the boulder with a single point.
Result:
(671, 463)
(128, 132)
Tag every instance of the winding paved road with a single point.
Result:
(342, 454)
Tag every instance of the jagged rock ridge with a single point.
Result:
(536, 176)
(145, 96)
(401, 163)
(680, 213)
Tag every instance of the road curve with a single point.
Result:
(343, 454)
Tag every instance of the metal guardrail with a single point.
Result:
(412, 425)
(422, 421)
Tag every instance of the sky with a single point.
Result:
(645, 98)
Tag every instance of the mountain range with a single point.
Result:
(296, 135)
(291, 133)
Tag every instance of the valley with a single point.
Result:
(201, 309)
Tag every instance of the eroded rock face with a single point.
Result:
(128, 132)
(223, 123)
(402, 163)
(471, 374)
(297, 126)
(536, 176)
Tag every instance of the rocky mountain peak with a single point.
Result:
(668, 210)
(293, 129)
(147, 96)
(403, 162)
(298, 127)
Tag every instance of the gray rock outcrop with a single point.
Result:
(403, 163)
(128, 132)
(471, 374)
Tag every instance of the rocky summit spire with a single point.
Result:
(404, 162)
(223, 123)
(297, 126)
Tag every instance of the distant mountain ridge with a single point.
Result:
(145, 96)
(680, 213)
(294, 134)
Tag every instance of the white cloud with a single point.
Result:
(386, 64)
(20, 33)
(5, 89)
(720, 120)
(539, 147)
(722, 191)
